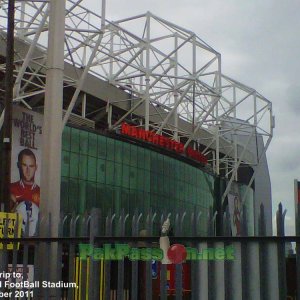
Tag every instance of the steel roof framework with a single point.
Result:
(161, 65)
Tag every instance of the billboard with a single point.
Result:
(27, 129)
(234, 203)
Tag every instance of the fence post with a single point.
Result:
(280, 215)
(84, 263)
(3, 256)
(244, 256)
(72, 255)
(195, 280)
(219, 269)
(297, 219)
(120, 287)
(163, 268)
(210, 264)
(263, 256)
(94, 270)
(178, 267)
(134, 269)
(232, 268)
(15, 253)
(149, 225)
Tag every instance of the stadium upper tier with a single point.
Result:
(143, 70)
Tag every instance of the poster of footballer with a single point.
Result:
(25, 166)
(234, 203)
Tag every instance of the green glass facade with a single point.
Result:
(102, 172)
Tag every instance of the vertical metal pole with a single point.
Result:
(22, 17)
(147, 94)
(109, 115)
(255, 109)
(194, 85)
(52, 135)
(219, 89)
(175, 89)
(7, 128)
(235, 136)
(83, 105)
(111, 59)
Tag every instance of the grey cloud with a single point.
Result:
(293, 96)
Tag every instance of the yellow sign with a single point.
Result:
(8, 223)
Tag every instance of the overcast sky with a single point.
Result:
(260, 46)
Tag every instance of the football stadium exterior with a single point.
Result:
(150, 121)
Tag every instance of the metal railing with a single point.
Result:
(217, 267)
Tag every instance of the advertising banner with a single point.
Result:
(25, 166)
(234, 203)
(8, 223)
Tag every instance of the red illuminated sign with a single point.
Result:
(162, 141)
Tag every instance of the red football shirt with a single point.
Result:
(25, 192)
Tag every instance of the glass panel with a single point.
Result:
(140, 180)
(109, 173)
(92, 151)
(74, 198)
(83, 167)
(153, 183)
(147, 181)
(74, 166)
(125, 176)
(166, 185)
(82, 196)
(84, 139)
(101, 170)
(74, 140)
(90, 195)
(92, 168)
(139, 201)
(101, 149)
(125, 199)
(110, 149)
(100, 196)
(160, 184)
(133, 177)
(147, 160)
(65, 163)
(160, 163)
(124, 180)
(118, 151)
(141, 157)
(108, 199)
(66, 136)
(133, 155)
(118, 174)
(117, 200)
(154, 162)
(126, 153)
(132, 201)
(64, 192)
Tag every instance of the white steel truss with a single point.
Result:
(174, 79)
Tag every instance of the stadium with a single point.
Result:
(150, 122)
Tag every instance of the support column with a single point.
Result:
(52, 135)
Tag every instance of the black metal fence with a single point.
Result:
(95, 256)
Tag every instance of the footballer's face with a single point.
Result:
(28, 168)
